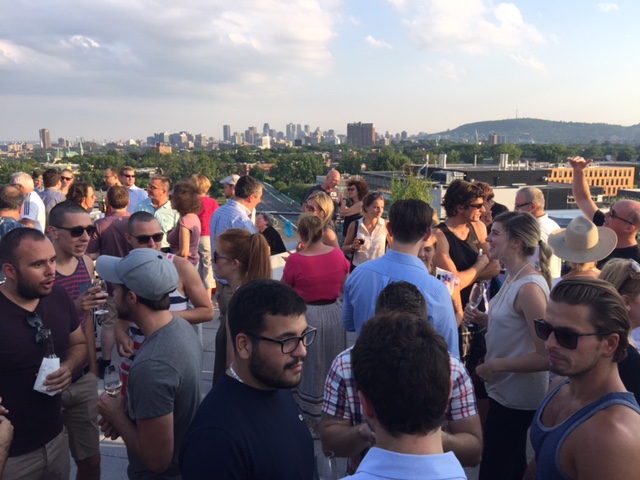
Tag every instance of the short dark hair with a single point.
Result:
(410, 220)
(125, 168)
(11, 198)
(164, 179)
(59, 213)
(50, 177)
(118, 197)
(78, 191)
(401, 364)
(461, 193)
(247, 186)
(11, 242)
(607, 311)
(156, 305)
(402, 297)
(142, 217)
(258, 298)
(186, 198)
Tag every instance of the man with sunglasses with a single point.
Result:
(249, 426)
(31, 302)
(588, 426)
(623, 217)
(70, 229)
(110, 239)
(157, 204)
(128, 180)
(163, 392)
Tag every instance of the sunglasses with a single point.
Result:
(520, 205)
(309, 208)
(477, 206)
(36, 322)
(613, 214)
(129, 176)
(565, 338)
(217, 256)
(157, 237)
(77, 232)
(68, 179)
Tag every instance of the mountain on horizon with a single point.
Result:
(533, 130)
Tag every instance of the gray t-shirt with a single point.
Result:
(165, 378)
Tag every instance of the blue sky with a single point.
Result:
(125, 69)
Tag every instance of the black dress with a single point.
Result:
(274, 240)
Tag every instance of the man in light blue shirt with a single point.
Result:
(236, 213)
(409, 226)
(158, 205)
(401, 367)
(127, 176)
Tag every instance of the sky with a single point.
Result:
(125, 69)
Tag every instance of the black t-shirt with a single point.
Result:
(626, 252)
(274, 240)
(36, 417)
(241, 432)
(629, 370)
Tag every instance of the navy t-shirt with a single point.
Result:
(240, 432)
(626, 252)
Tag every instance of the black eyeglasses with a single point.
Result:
(289, 345)
(36, 322)
(217, 256)
(520, 205)
(77, 232)
(565, 338)
(68, 179)
(613, 214)
(157, 237)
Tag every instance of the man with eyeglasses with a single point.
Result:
(163, 391)
(157, 204)
(70, 229)
(588, 426)
(33, 210)
(623, 217)
(111, 178)
(110, 238)
(30, 302)
(236, 213)
(249, 426)
(128, 180)
(531, 200)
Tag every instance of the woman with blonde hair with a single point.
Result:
(321, 205)
(515, 366)
(209, 205)
(184, 238)
(239, 258)
(317, 273)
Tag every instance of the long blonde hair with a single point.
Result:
(325, 204)
(251, 250)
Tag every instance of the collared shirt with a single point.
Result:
(136, 195)
(166, 215)
(382, 464)
(230, 215)
(369, 279)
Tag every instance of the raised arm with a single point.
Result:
(580, 187)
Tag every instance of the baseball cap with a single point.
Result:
(144, 271)
(230, 180)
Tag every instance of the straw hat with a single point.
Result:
(582, 241)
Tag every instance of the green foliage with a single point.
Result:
(410, 186)
(298, 167)
(350, 163)
(387, 160)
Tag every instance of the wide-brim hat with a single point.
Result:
(582, 241)
(230, 180)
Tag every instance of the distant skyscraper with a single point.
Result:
(307, 130)
(265, 129)
(361, 134)
(45, 138)
(291, 132)
(226, 133)
(403, 135)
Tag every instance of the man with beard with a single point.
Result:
(589, 425)
(70, 228)
(163, 392)
(249, 426)
(31, 303)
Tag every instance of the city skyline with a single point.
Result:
(122, 70)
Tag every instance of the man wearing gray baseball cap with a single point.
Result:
(163, 388)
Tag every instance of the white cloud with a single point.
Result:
(529, 62)
(470, 26)
(608, 7)
(376, 43)
(447, 69)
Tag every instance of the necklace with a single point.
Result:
(235, 375)
(502, 293)
(515, 277)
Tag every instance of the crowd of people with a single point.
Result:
(439, 378)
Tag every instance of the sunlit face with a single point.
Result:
(75, 247)
(110, 179)
(634, 311)
(225, 266)
(229, 190)
(473, 211)
(352, 192)
(498, 241)
(90, 201)
(142, 234)
(313, 207)
(375, 209)
(35, 273)
(157, 192)
(428, 250)
(573, 318)
(128, 178)
(618, 218)
(267, 364)
(333, 179)
(66, 179)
